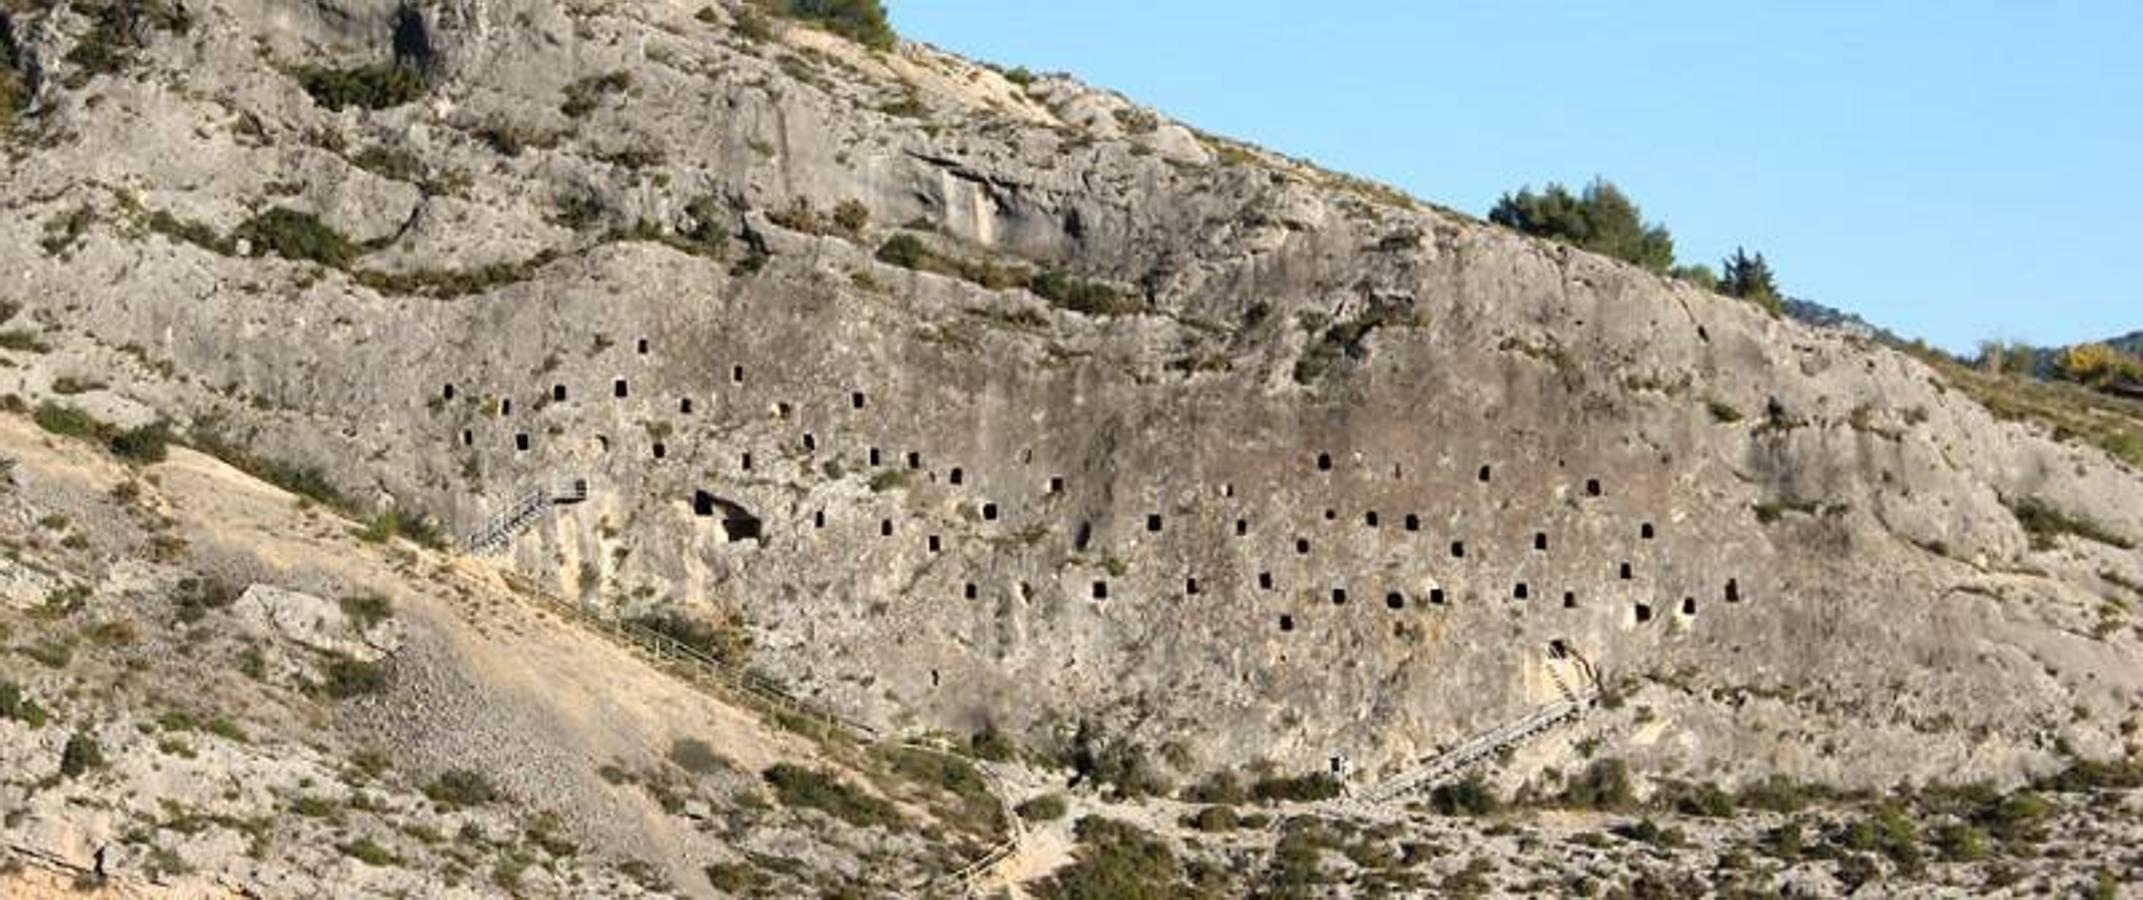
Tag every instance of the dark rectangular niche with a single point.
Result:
(956, 475)
(1569, 599)
(811, 442)
(448, 393)
(818, 519)
(1689, 606)
(619, 389)
(684, 406)
(641, 346)
(505, 407)
(1733, 590)
(989, 512)
(885, 527)
(915, 460)
(1540, 540)
(1369, 518)
(855, 399)
(746, 459)
(1413, 522)
(1242, 527)
(736, 374)
(1153, 521)
(1394, 600)
(1436, 596)
(874, 456)
(468, 438)
(660, 451)
(1302, 546)
(558, 393)
(1626, 572)
(1458, 549)
(1645, 531)
(1339, 596)
(1592, 487)
(1101, 590)
(1190, 586)
(1056, 484)
(1520, 591)
(1265, 581)
(1324, 462)
(1644, 613)
(970, 591)
(1485, 472)
(935, 543)
(1287, 622)
(520, 441)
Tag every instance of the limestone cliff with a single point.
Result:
(992, 401)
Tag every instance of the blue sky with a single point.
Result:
(1955, 170)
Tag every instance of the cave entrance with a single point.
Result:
(738, 523)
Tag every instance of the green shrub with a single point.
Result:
(1115, 861)
(67, 421)
(1214, 818)
(299, 236)
(1090, 297)
(81, 754)
(1601, 219)
(1045, 808)
(366, 851)
(394, 523)
(1296, 789)
(862, 21)
(367, 610)
(16, 706)
(696, 756)
(796, 786)
(738, 878)
(143, 444)
(726, 642)
(461, 788)
(375, 86)
(198, 234)
(345, 677)
(904, 250)
(1470, 797)
(1605, 785)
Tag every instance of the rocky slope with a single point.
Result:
(978, 401)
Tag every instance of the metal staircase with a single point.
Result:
(1442, 767)
(498, 531)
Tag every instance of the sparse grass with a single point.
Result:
(376, 86)
(366, 851)
(799, 787)
(2046, 526)
(584, 95)
(199, 234)
(392, 524)
(2071, 412)
(22, 341)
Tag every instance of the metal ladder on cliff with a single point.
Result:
(498, 531)
(1442, 767)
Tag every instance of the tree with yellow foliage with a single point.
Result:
(2097, 365)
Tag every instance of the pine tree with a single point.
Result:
(1749, 277)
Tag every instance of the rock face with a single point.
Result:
(1290, 467)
